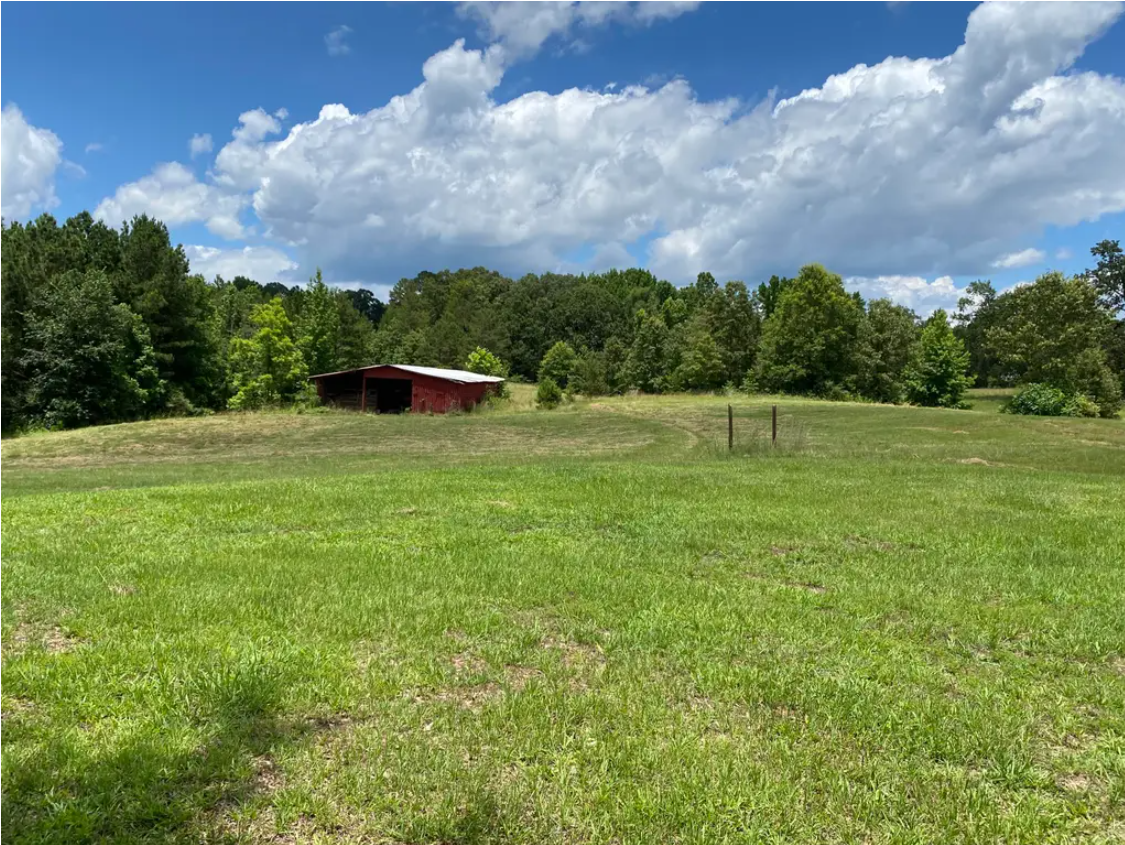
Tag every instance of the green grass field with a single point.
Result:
(589, 625)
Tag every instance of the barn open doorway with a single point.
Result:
(389, 395)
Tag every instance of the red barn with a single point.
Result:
(394, 388)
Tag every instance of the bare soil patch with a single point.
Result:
(53, 640)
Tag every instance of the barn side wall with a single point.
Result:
(435, 395)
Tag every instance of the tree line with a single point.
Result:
(105, 325)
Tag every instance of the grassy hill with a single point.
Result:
(589, 625)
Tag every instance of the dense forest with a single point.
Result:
(101, 325)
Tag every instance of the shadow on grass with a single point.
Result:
(149, 789)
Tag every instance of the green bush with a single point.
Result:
(1040, 400)
(1043, 400)
(548, 394)
(1081, 406)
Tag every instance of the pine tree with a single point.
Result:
(319, 327)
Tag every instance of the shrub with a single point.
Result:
(1089, 376)
(548, 394)
(1040, 400)
(1081, 406)
(1044, 400)
(837, 393)
(178, 405)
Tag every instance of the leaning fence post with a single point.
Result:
(730, 427)
(775, 425)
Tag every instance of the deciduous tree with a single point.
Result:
(87, 360)
(938, 374)
(558, 364)
(267, 368)
(887, 342)
(809, 342)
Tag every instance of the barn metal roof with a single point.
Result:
(457, 376)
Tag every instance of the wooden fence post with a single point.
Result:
(775, 425)
(730, 427)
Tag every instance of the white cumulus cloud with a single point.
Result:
(909, 169)
(921, 295)
(200, 144)
(172, 193)
(29, 157)
(1023, 258)
(521, 28)
(263, 264)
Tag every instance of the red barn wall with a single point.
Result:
(435, 395)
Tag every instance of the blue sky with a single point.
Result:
(379, 140)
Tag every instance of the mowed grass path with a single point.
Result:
(592, 625)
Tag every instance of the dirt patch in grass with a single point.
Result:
(468, 664)
(474, 696)
(981, 462)
(1074, 782)
(808, 586)
(58, 641)
(574, 654)
(16, 706)
(122, 589)
(465, 697)
(518, 677)
(53, 640)
(267, 776)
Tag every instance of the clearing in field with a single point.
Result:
(593, 625)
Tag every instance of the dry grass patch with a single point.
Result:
(52, 639)
(468, 664)
(15, 706)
